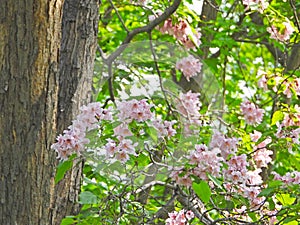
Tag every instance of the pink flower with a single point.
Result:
(281, 36)
(262, 157)
(122, 130)
(252, 193)
(167, 27)
(181, 177)
(296, 86)
(264, 143)
(253, 177)
(287, 89)
(196, 155)
(164, 128)
(189, 106)
(292, 119)
(134, 109)
(237, 169)
(179, 218)
(255, 136)
(206, 161)
(127, 145)
(295, 136)
(92, 113)
(226, 145)
(189, 66)
(261, 5)
(181, 31)
(262, 82)
(122, 156)
(288, 121)
(74, 140)
(111, 148)
(252, 114)
(189, 215)
(120, 150)
(289, 177)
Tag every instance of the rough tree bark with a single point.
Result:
(78, 47)
(34, 80)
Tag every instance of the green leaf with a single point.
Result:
(271, 204)
(217, 182)
(277, 116)
(275, 183)
(152, 133)
(230, 205)
(88, 197)
(291, 221)
(62, 168)
(203, 191)
(252, 215)
(266, 192)
(285, 199)
(68, 221)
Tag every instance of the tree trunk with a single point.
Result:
(33, 82)
(30, 31)
(77, 56)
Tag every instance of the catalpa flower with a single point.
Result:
(281, 35)
(252, 114)
(189, 66)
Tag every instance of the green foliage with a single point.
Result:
(203, 191)
(237, 53)
(63, 167)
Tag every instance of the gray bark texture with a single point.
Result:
(47, 50)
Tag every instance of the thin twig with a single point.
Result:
(167, 13)
(292, 3)
(119, 16)
(158, 71)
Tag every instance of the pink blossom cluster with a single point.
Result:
(179, 218)
(181, 176)
(122, 130)
(237, 176)
(120, 149)
(255, 136)
(290, 86)
(244, 181)
(74, 139)
(292, 119)
(189, 106)
(182, 31)
(206, 161)
(262, 154)
(164, 128)
(261, 5)
(228, 146)
(189, 66)
(289, 177)
(281, 35)
(142, 1)
(237, 169)
(251, 192)
(293, 134)
(138, 110)
(262, 82)
(253, 115)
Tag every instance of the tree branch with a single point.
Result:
(167, 13)
(118, 15)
